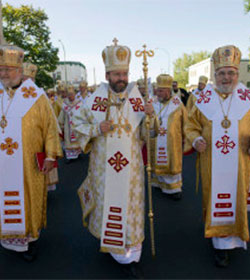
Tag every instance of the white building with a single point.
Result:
(206, 68)
(73, 72)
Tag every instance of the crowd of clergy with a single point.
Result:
(112, 122)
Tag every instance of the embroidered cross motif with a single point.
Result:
(9, 146)
(244, 95)
(99, 104)
(176, 101)
(137, 102)
(162, 131)
(86, 196)
(77, 107)
(204, 97)
(225, 144)
(29, 92)
(118, 161)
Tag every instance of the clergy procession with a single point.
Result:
(111, 157)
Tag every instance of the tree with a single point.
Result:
(25, 27)
(182, 64)
(247, 5)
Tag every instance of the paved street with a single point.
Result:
(67, 250)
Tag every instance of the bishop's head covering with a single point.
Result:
(226, 56)
(116, 57)
(29, 69)
(164, 81)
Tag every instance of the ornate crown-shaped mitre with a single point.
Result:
(11, 56)
(226, 56)
(164, 81)
(70, 89)
(60, 85)
(29, 69)
(83, 84)
(203, 79)
(116, 57)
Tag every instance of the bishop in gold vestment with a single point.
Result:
(122, 126)
(167, 147)
(218, 127)
(39, 134)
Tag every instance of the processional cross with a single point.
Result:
(145, 53)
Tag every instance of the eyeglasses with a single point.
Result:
(7, 70)
(222, 74)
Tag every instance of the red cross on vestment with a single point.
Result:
(244, 95)
(118, 161)
(162, 131)
(99, 104)
(9, 146)
(137, 102)
(225, 144)
(204, 97)
(176, 101)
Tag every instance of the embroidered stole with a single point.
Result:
(118, 163)
(161, 143)
(68, 109)
(225, 145)
(12, 204)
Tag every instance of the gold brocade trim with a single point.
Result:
(166, 186)
(173, 186)
(85, 215)
(8, 236)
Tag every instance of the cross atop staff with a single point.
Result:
(115, 41)
(145, 54)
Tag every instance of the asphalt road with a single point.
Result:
(67, 250)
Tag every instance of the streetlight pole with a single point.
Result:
(167, 53)
(66, 78)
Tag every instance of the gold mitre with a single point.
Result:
(51, 92)
(29, 69)
(226, 56)
(116, 57)
(203, 80)
(11, 56)
(70, 89)
(141, 83)
(164, 81)
(83, 84)
(61, 85)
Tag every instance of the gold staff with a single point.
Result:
(146, 54)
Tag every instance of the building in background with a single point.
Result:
(73, 72)
(206, 68)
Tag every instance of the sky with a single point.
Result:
(169, 27)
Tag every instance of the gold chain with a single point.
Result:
(226, 123)
(3, 121)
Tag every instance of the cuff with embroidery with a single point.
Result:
(196, 139)
(50, 159)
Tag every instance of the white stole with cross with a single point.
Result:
(12, 204)
(225, 146)
(118, 164)
(161, 149)
(68, 109)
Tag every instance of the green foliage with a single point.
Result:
(26, 27)
(247, 6)
(182, 64)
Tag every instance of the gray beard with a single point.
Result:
(226, 89)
